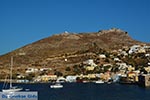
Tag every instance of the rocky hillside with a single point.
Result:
(67, 49)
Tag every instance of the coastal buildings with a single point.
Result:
(124, 64)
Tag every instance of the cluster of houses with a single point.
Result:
(117, 69)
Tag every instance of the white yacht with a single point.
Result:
(11, 88)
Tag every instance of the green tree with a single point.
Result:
(68, 69)
(58, 73)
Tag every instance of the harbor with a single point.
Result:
(88, 91)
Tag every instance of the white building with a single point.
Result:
(90, 62)
(45, 69)
(117, 59)
(61, 80)
(122, 65)
(134, 49)
(31, 70)
(71, 78)
(102, 56)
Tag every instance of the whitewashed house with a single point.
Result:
(71, 78)
(45, 69)
(31, 70)
(124, 53)
(20, 76)
(134, 49)
(102, 56)
(61, 79)
(122, 66)
(90, 62)
(147, 55)
(117, 59)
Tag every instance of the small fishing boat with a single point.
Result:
(99, 82)
(57, 85)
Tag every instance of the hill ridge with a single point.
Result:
(67, 44)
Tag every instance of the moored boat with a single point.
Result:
(57, 85)
(99, 82)
(11, 88)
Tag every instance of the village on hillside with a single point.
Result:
(129, 65)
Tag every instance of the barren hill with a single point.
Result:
(74, 47)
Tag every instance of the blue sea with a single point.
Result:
(89, 91)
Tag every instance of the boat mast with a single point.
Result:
(11, 65)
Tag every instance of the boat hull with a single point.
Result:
(99, 82)
(56, 86)
(11, 90)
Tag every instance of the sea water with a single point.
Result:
(89, 91)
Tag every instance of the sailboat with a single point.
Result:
(12, 88)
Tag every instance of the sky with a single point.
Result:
(25, 21)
